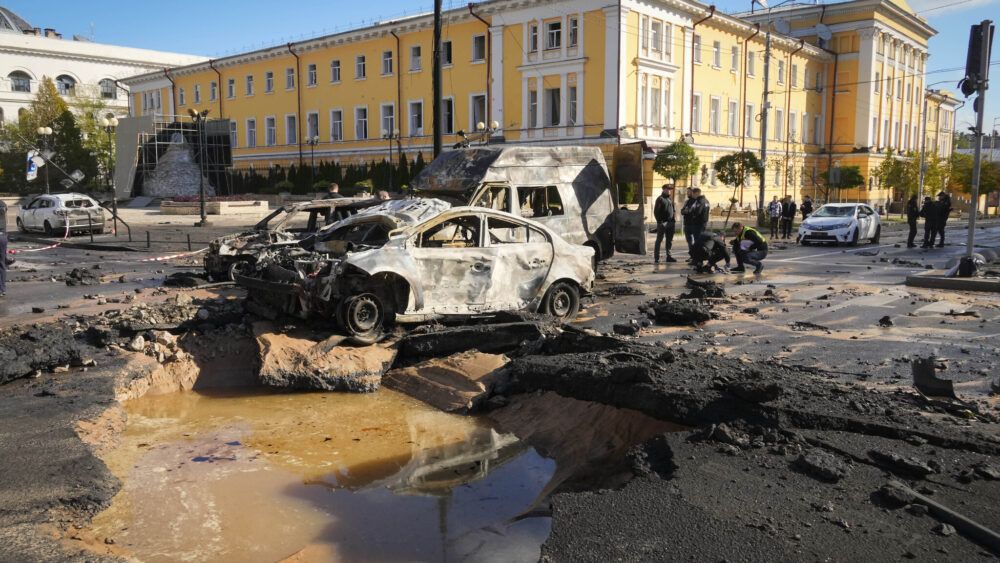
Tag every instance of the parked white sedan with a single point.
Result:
(847, 223)
(51, 214)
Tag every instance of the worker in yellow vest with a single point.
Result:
(750, 247)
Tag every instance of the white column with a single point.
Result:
(686, 82)
(614, 33)
(863, 136)
(496, 71)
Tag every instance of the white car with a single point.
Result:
(51, 213)
(847, 223)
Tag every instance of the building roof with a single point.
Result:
(12, 23)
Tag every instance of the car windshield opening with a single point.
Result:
(459, 232)
(830, 211)
(78, 203)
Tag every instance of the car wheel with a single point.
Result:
(805, 242)
(878, 234)
(20, 225)
(562, 301)
(240, 267)
(854, 238)
(48, 229)
(363, 317)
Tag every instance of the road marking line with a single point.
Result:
(832, 253)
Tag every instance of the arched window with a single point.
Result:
(19, 81)
(66, 85)
(2, 119)
(108, 90)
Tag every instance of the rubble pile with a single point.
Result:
(81, 276)
(25, 351)
(677, 312)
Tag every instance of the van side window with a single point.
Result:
(494, 197)
(539, 201)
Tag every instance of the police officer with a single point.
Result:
(666, 223)
(750, 248)
(930, 214)
(912, 214)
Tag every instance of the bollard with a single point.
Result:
(90, 226)
(148, 244)
(189, 242)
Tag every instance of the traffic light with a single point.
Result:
(974, 74)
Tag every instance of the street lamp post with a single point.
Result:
(312, 142)
(45, 133)
(487, 133)
(109, 126)
(390, 136)
(199, 118)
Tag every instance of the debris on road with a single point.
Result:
(703, 289)
(456, 383)
(926, 381)
(885, 322)
(81, 276)
(677, 312)
(23, 351)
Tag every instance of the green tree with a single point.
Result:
(16, 139)
(70, 153)
(676, 161)
(734, 170)
(843, 177)
(892, 172)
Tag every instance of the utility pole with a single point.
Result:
(763, 126)
(982, 84)
(436, 79)
(923, 151)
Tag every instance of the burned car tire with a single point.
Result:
(364, 317)
(240, 267)
(562, 301)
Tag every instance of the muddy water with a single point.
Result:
(319, 477)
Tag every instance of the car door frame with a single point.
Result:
(512, 259)
(629, 224)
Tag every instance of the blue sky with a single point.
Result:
(220, 27)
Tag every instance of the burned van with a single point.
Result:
(567, 189)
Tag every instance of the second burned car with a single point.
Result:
(414, 260)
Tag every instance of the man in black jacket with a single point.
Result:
(750, 248)
(943, 206)
(806, 208)
(912, 214)
(707, 251)
(666, 223)
(930, 213)
(788, 209)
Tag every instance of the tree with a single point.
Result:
(70, 153)
(734, 170)
(16, 139)
(676, 161)
(893, 174)
(843, 177)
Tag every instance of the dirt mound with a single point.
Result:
(82, 276)
(186, 279)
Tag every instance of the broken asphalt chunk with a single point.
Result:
(822, 465)
(899, 464)
(926, 381)
(489, 338)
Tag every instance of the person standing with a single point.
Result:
(788, 209)
(807, 207)
(943, 206)
(912, 214)
(750, 248)
(774, 212)
(3, 248)
(929, 212)
(687, 218)
(702, 210)
(666, 223)
(333, 192)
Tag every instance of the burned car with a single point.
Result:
(415, 260)
(234, 253)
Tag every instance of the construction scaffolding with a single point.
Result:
(152, 144)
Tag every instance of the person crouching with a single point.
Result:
(750, 248)
(707, 251)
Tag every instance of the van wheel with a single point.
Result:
(561, 301)
(878, 234)
(364, 317)
(48, 229)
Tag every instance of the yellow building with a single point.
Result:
(585, 72)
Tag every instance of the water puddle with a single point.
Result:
(319, 477)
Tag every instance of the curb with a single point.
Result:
(934, 279)
(110, 247)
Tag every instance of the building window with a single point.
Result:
(714, 107)
(532, 108)
(654, 106)
(20, 81)
(792, 126)
(572, 112)
(668, 35)
(180, 96)
(66, 85)
(478, 48)
(335, 71)
(231, 88)
(251, 133)
(386, 63)
(249, 85)
(696, 113)
(781, 71)
(291, 130)
(899, 88)
(233, 134)
(289, 78)
(108, 89)
(478, 113)
(311, 75)
(553, 35)
(819, 81)
(908, 92)
(269, 81)
(805, 127)
(751, 64)
(416, 119)
(816, 130)
(644, 32)
(270, 131)
(360, 123)
(156, 99)
(553, 105)
(733, 118)
(717, 54)
(416, 62)
(448, 116)
(312, 125)
(213, 91)
(696, 47)
(360, 73)
(656, 36)
(388, 120)
(197, 93)
(795, 75)
(734, 58)
(574, 32)
(446, 51)
(533, 38)
(336, 125)
(748, 120)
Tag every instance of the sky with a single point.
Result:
(217, 28)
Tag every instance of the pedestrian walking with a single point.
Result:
(943, 206)
(929, 212)
(708, 250)
(774, 213)
(912, 214)
(666, 223)
(750, 248)
(788, 209)
(806, 208)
